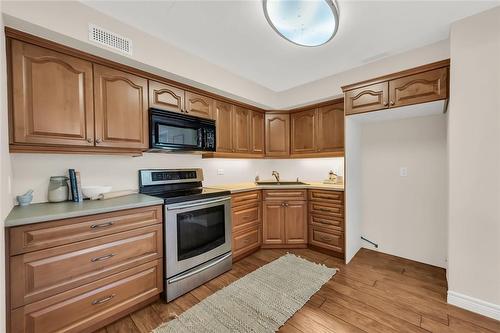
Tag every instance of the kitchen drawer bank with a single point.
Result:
(81, 272)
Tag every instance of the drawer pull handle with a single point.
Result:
(325, 239)
(246, 241)
(103, 300)
(101, 225)
(324, 209)
(106, 257)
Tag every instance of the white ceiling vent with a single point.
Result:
(110, 39)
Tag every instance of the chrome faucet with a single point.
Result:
(276, 174)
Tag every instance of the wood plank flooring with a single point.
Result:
(375, 292)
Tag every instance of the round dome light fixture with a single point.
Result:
(303, 22)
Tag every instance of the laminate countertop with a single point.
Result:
(43, 212)
(244, 187)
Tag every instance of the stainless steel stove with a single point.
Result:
(197, 227)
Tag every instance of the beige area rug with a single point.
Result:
(261, 301)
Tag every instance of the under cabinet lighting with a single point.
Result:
(303, 22)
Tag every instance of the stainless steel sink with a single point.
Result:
(281, 183)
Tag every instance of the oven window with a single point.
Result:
(200, 231)
(177, 135)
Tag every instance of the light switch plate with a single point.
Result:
(220, 172)
(403, 171)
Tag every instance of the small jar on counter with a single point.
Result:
(58, 189)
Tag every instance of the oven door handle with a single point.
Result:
(196, 204)
(199, 270)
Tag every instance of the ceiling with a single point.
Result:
(236, 36)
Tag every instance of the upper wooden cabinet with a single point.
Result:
(418, 85)
(52, 97)
(121, 109)
(419, 88)
(304, 126)
(277, 134)
(257, 133)
(241, 130)
(224, 126)
(165, 97)
(331, 128)
(369, 98)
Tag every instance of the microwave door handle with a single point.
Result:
(189, 205)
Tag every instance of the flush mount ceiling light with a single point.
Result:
(303, 22)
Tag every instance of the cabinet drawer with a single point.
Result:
(246, 240)
(325, 238)
(285, 194)
(326, 209)
(244, 216)
(245, 198)
(326, 221)
(80, 309)
(326, 196)
(45, 273)
(44, 235)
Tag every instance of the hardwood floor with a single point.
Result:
(375, 292)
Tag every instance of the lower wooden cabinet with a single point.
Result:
(326, 238)
(76, 275)
(246, 223)
(246, 241)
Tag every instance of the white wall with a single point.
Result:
(5, 196)
(474, 164)
(406, 216)
(32, 171)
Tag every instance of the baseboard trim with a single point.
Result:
(475, 305)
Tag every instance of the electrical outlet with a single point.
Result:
(220, 172)
(403, 171)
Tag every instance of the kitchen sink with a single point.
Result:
(281, 183)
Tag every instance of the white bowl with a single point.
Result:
(93, 192)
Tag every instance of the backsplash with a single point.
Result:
(32, 171)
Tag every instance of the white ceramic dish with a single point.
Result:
(92, 192)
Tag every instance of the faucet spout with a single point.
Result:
(276, 175)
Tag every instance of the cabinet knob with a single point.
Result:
(386, 103)
(90, 140)
(98, 140)
(392, 102)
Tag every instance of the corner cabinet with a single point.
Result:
(423, 84)
(277, 134)
(121, 109)
(304, 126)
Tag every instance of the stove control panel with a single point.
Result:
(169, 176)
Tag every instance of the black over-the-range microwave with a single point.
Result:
(171, 131)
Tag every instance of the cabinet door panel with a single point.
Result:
(52, 97)
(165, 97)
(257, 133)
(419, 88)
(331, 128)
(296, 222)
(277, 134)
(369, 98)
(303, 132)
(241, 133)
(224, 128)
(199, 106)
(274, 223)
(121, 109)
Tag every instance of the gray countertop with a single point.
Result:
(43, 212)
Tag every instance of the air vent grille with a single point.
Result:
(110, 39)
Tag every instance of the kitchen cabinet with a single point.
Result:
(121, 109)
(199, 106)
(285, 218)
(304, 126)
(331, 128)
(241, 130)
(52, 97)
(417, 85)
(246, 223)
(257, 133)
(277, 134)
(81, 273)
(224, 126)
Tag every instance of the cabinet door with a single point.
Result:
(121, 109)
(165, 97)
(303, 132)
(419, 88)
(296, 222)
(199, 106)
(241, 133)
(369, 98)
(224, 126)
(331, 127)
(52, 99)
(277, 134)
(274, 223)
(257, 133)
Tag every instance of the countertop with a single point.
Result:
(42, 212)
(243, 187)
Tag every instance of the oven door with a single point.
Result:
(196, 232)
